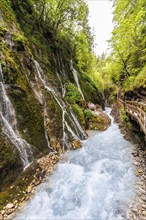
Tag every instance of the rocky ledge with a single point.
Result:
(46, 165)
(138, 207)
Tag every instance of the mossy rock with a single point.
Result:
(17, 189)
(79, 112)
(94, 95)
(19, 40)
(72, 94)
(10, 162)
(54, 112)
(30, 118)
(98, 122)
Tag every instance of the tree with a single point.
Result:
(128, 38)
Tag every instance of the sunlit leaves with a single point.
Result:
(128, 40)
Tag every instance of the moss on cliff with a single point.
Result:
(74, 98)
(17, 190)
(54, 111)
(30, 117)
(10, 164)
(17, 64)
(91, 92)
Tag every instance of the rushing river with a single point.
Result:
(95, 182)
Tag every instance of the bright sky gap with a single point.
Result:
(100, 20)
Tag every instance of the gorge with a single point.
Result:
(55, 103)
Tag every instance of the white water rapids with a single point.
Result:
(94, 182)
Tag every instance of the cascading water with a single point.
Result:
(82, 133)
(94, 182)
(62, 86)
(75, 74)
(71, 131)
(40, 73)
(62, 105)
(73, 120)
(9, 125)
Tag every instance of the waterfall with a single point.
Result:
(40, 73)
(46, 136)
(71, 131)
(62, 105)
(9, 124)
(83, 134)
(62, 86)
(75, 121)
(75, 74)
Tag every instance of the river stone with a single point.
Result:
(144, 176)
(76, 144)
(139, 171)
(144, 213)
(143, 198)
(141, 190)
(57, 158)
(9, 206)
(143, 206)
(135, 163)
(9, 211)
(29, 189)
(10, 217)
(133, 217)
(2, 212)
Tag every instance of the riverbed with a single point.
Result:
(94, 182)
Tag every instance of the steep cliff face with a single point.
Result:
(42, 95)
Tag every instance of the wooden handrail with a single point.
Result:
(137, 110)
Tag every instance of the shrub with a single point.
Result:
(73, 95)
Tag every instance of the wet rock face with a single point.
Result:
(45, 166)
(138, 208)
(10, 164)
(137, 95)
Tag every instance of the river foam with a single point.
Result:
(94, 182)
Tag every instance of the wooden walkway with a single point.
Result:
(136, 110)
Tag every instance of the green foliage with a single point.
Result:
(128, 42)
(74, 98)
(88, 114)
(7, 13)
(113, 96)
(124, 117)
(79, 112)
(19, 40)
(3, 30)
(72, 94)
(125, 67)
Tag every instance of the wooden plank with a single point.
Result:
(137, 110)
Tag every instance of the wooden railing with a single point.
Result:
(137, 110)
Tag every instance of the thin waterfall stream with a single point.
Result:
(94, 182)
(59, 100)
(8, 122)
